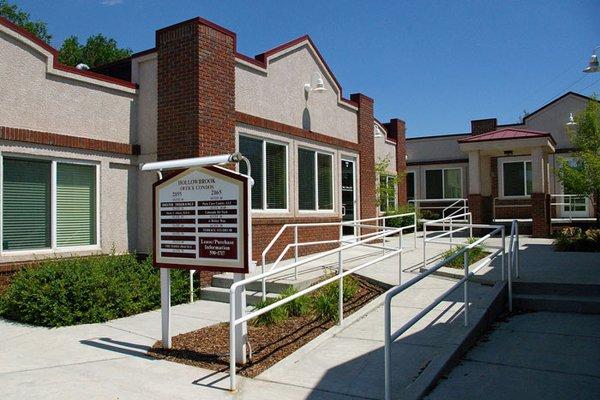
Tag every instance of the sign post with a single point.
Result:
(201, 222)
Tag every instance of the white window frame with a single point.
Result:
(54, 248)
(333, 197)
(443, 183)
(508, 160)
(264, 208)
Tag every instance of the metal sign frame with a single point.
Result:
(244, 209)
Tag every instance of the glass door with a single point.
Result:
(348, 196)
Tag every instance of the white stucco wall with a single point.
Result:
(384, 148)
(31, 98)
(144, 73)
(117, 200)
(278, 94)
(434, 148)
(553, 119)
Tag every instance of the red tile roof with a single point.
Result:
(507, 134)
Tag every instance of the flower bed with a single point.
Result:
(475, 254)
(274, 335)
(575, 239)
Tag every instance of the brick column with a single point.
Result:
(196, 90)
(368, 189)
(397, 130)
(540, 215)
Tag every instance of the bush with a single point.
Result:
(297, 307)
(475, 254)
(400, 221)
(325, 302)
(81, 290)
(272, 317)
(574, 239)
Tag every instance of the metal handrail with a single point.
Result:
(391, 337)
(233, 322)
(356, 223)
(416, 203)
(452, 224)
(463, 209)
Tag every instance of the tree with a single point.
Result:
(582, 174)
(98, 50)
(387, 182)
(19, 17)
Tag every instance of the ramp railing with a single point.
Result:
(235, 289)
(469, 272)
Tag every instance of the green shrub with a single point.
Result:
(61, 292)
(475, 254)
(574, 239)
(297, 307)
(325, 302)
(400, 221)
(275, 316)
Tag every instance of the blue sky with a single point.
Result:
(436, 64)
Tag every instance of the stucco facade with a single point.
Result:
(96, 118)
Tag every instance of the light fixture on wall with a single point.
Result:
(571, 120)
(377, 132)
(319, 85)
(593, 65)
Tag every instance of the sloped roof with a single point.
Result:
(507, 134)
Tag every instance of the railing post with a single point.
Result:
(191, 286)
(232, 339)
(451, 233)
(517, 249)
(470, 225)
(503, 250)
(383, 238)
(263, 282)
(400, 261)
(424, 243)
(466, 286)
(387, 349)
(415, 230)
(341, 289)
(296, 251)
(510, 261)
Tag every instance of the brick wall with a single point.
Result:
(397, 131)
(264, 229)
(480, 126)
(368, 189)
(540, 215)
(196, 90)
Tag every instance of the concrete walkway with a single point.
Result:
(532, 356)
(108, 360)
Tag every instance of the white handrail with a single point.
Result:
(391, 337)
(450, 220)
(463, 209)
(356, 223)
(233, 322)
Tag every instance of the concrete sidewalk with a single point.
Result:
(532, 356)
(100, 361)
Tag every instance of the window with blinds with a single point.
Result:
(27, 207)
(315, 180)
(270, 187)
(75, 205)
(252, 149)
(306, 179)
(26, 204)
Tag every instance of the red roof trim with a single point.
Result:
(57, 65)
(498, 135)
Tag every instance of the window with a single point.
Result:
(315, 180)
(443, 183)
(30, 199)
(410, 185)
(268, 165)
(516, 178)
(387, 192)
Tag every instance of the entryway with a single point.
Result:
(348, 196)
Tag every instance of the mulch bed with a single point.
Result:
(209, 347)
